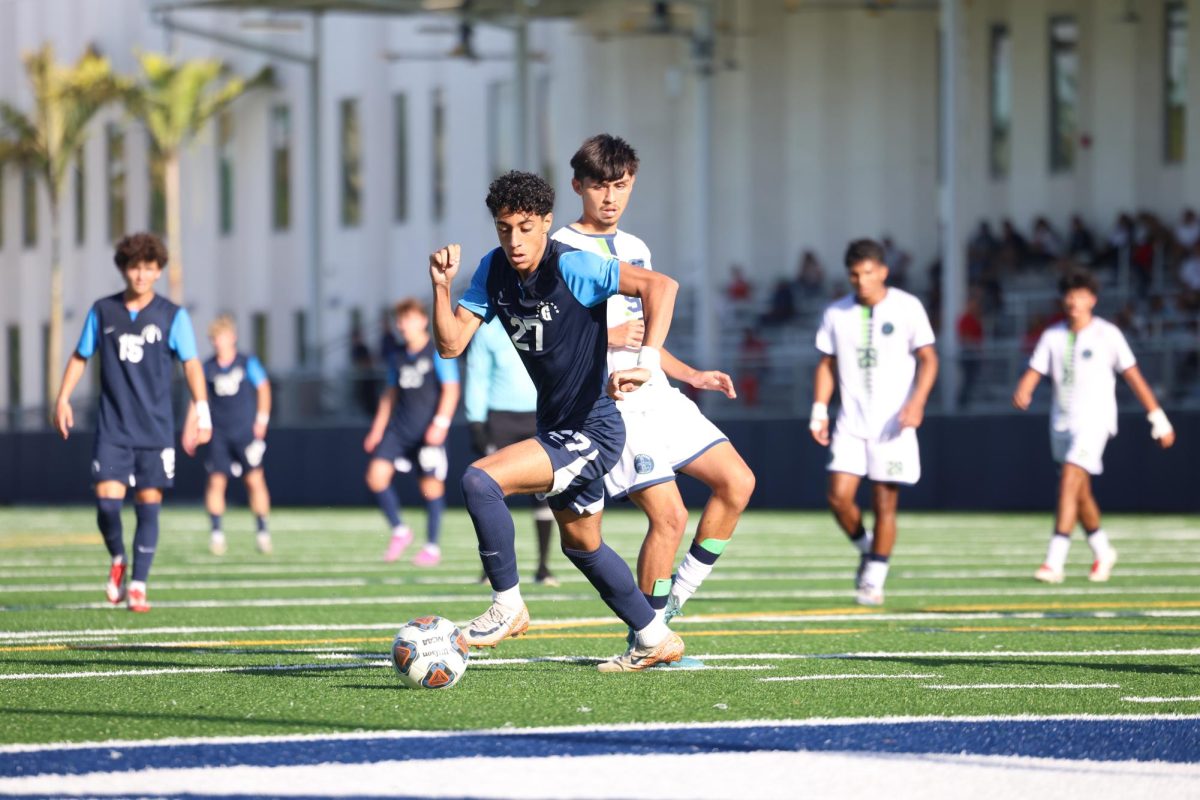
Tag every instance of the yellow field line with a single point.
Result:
(693, 634)
(27, 541)
(1072, 628)
(750, 615)
(1061, 605)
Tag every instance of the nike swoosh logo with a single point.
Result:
(477, 632)
(486, 553)
(110, 329)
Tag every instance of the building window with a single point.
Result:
(501, 121)
(400, 121)
(114, 178)
(157, 167)
(14, 366)
(80, 197)
(351, 149)
(1000, 102)
(1064, 92)
(1175, 89)
(439, 154)
(225, 172)
(29, 208)
(259, 335)
(301, 326)
(281, 168)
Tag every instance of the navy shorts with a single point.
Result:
(582, 457)
(405, 453)
(136, 467)
(233, 456)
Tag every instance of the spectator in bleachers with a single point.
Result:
(1013, 252)
(1045, 245)
(1189, 278)
(738, 289)
(366, 388)
(810, 277)
(752, 356)
(1130, 321)
(970, 340)
(1187, 232)
(1119, 240)
(782, 307)
(898, 261)
(1082, 245)
(981, 251)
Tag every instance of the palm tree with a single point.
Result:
(175, 100)
(65, 98)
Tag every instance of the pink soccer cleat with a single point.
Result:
(401, 539)
(429, 556)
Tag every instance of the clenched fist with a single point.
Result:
(443, 264)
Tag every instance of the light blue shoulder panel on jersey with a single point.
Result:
(89, 336)
(182, 339)
(446, 368)
(475, 299)
(591, 278)
(255, 371)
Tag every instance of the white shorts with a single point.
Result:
(892, 460)
(1084, 449)
(661, 437)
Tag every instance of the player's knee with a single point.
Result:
(738, 486)
(479, 487)
(839, 500)
(672, 518)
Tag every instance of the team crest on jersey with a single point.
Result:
(546, 310)
(895, 469)
(412, 376)
(132, 346)
(643, 464)
(228, 384)
(888, 329)
(1087, 354)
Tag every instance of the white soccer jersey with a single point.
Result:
(1083, 367)
(874, 347)
(621, 309)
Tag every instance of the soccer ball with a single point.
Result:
(430, 653)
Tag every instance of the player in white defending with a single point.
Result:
(1081, 356)
(665, 431)
(877, 344)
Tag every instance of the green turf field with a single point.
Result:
(298, 641)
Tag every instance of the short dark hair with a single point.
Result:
(411, 305)
(138, 247)
(861, 250)
(604, 158)
(520, 192)
(1077, 278)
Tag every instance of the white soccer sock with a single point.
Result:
(691, 573)
(137, 586)
(1098, 541)
(432, 548)
(653, 634)
(865, 542)
(660, 615)
(509, 598)
(875, 574)
(400, 530)
(1056, 553)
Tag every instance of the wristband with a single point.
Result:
(818, 417)
(262, 417)
(203, 416)
(650, 358)
(441, 422)
(1160, 426)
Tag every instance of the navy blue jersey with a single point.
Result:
(418, 377)
(233, 394)
(557, 320)
(137, 350)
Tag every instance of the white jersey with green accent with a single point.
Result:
(621, 309)
(1083, 366)
(874, 347)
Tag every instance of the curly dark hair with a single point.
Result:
(604, 158)
(861, 250)
(138, 247)
(520, 192)
(1077, 278)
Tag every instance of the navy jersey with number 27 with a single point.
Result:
(557, 320)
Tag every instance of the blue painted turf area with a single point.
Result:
(1164, 739)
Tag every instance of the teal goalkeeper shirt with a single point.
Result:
(496, 378)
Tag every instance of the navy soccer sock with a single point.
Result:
(260, 524)
(108, 519)
(215, 519)
(493, 528)
(435, 507)
(145, 539)
(609, 573)
(389, 504)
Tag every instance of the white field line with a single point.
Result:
(850, 676)
(955, 686)
(1194, 699)
(145, 673)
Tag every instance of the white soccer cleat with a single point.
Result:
(636, 658)
(262, 543)
(1048, 574)
(1102, 567)
(496, 624)
(869, 595)
(216, 544)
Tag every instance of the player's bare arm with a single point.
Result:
(913, 412)
(627, 335)
(262, 413)
(711, 379)
(193, 373)
(1160, 427)
(824, 379)
(64, 416)
(435, 434)
(383, 413)
(452, 328)
(1023, 395)
(657, 292)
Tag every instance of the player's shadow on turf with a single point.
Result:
(1101, 666)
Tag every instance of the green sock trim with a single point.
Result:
(714, 546)
(662, 587)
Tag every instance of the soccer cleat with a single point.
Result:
(637, 658)
(262, 543)
(869, 595)
(216, 544)
(1048, 574)
(114, 590)
(429, 556)
(496, 624)
(137, 599)
(673, 609)
(401, 539)
(545, 578)
(1102, 567)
